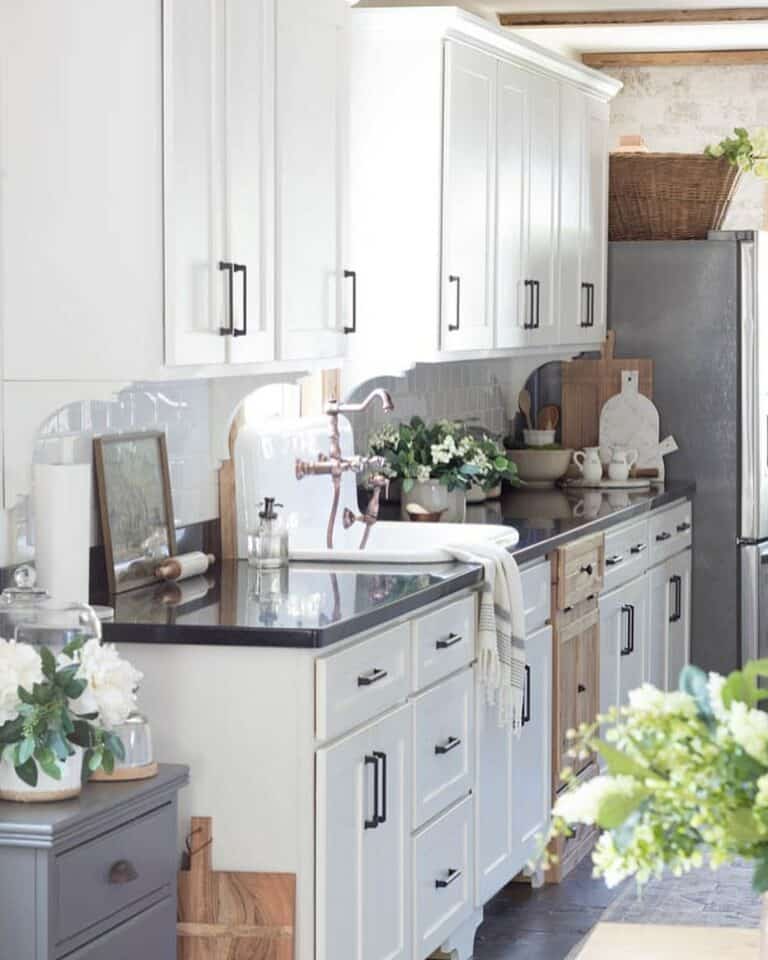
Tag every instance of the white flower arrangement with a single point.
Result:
(51, 705)
(686, 780)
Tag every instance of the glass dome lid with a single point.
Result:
(29, 615)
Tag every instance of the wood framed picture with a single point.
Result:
(135, 505)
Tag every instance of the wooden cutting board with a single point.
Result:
(228, 915)
(588, 384)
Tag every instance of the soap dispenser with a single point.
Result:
(268, 545)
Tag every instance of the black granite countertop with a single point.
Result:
(316, 604)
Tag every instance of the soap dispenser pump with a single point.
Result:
(268, 545)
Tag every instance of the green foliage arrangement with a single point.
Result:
(745, 150)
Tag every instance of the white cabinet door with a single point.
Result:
(679, 643)
(594, 270)
(542, 212)
(363, 843)
(81, 203)
(218, 61)
(623, 642)
(658, 626)
(311, 152)
(514, 777)
(468, 198)
(511, 208)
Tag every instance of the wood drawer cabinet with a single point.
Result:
(576, 677)
(578, 571)
(93, 878)
(570, 851)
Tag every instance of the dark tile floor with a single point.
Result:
(545, 924)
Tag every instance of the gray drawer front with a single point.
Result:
(149, 936)
(88, 882)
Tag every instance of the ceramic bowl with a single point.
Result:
(541, 467)
(539, 438)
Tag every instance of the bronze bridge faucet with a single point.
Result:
(334, 466)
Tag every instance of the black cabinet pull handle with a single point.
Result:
(352, 275)
(526, 717)
(450, 744)
(453, 327)
(241, 268)
(584, 322)
(661, 537)
(230, 269)
(123, 871)
(588, 569)
(629, 609)
(450, 640)
(451, 877)
(677, 583)
(373, 822)
(366, 679)
(530, 323)
(591, 305)
(615, 559)
(638, 548)
(581, 688)
(537, 287)
(380, 755)
(683, 527)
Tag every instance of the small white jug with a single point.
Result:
(621, 463)
(589, 464)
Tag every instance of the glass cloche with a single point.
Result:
(29, 615)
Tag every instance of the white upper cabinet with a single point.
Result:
(469, 167)
(218, 122)
(314, 303)
(583, 216)
(81, 189)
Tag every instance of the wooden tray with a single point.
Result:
(124, 774)
(630, 484)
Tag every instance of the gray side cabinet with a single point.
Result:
(92, 878)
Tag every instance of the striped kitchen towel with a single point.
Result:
(501, 629)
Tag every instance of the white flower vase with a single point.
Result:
(430, 495)
(47, 789)
(476, 494)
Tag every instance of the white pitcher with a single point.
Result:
(621, 463)
(589, 464)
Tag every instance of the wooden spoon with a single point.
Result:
(524, 400)
(548, 417)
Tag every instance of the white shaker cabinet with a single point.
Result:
(363, 842)
(623, 642)
(468, 198)
(583, 216)
(670, 620)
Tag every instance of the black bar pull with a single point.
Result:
(450, 640)
(661, 537)
(453, 327)
(584, 322)
(366, 679)
(638, 548)
(374, 820)
(526, 717)
(230, 268)
(590, 304)
(630, 612)
(352, 275)
(537, 287)
(451, 877)
(530, 323)
(683, 527)
(380, 755)
(614, 560)
(450, 744)
(241, 268)
(677, 583)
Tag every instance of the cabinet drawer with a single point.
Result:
(579, 571)
(442, 737)
(626, 554)
(442, 878)
(105, 875)
(443, 641)
(151, 935)
(537, 595)
(360, 682)
(671, 531)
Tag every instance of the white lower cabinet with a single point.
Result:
(670, 620)
(623, 642)
(513, 795)
(363, 843)
(442, 878)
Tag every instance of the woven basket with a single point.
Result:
(668, 196)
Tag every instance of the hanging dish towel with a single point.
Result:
(501, 629)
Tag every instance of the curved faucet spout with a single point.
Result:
(334, 407)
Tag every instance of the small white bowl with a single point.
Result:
(538, 438)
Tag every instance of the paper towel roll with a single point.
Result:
(62, 506)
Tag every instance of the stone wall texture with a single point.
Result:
(682, 109)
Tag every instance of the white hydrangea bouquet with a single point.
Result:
(686, 780)
(745, 150)
(54, 708)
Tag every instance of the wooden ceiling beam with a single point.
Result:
(635, 17)
(675, 58)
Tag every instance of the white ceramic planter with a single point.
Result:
(434, 497)
(476, 494)
(47, 789)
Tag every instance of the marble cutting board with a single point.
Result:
(631, 420)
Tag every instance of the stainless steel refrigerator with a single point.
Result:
(700, 310)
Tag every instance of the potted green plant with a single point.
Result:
(686, 780)
(494, 466)
(57, 715)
